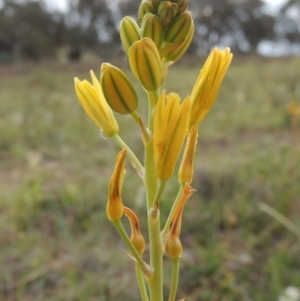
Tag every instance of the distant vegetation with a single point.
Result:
(56, 243)
(29, 31)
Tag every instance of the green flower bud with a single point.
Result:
(167, 11)
(182, 5)
(129, 32)
(117, 89)
(155, 3)
(145, 63)
(179, 28)
(145, 7)
(152, 28)
(179, 51)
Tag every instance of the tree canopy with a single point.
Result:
(29, 30)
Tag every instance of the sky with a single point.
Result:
(62, 5)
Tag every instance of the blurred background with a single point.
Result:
(241, 229)
(36, 30)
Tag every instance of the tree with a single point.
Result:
(27, 30)
(240, 24)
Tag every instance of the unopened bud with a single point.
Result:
(145, 63)
(129, 32)
(155, 3)
(152, 28)
(183, 5)
(179, 28)
(145, 7)
(181, 48)
(167, 11)
(118, 90)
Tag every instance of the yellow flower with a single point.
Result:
(208, 83)
(114, 207)
(95, 105)
(186, 170)
(170, 128)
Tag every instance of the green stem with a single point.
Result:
(143, 266)
(175, 276)
(141, 283)
(159, 192)
(168, 222)
(133, 159)
(152, 100)
(155, 244)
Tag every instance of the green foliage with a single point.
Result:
(56, 243)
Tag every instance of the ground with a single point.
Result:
(56, 242)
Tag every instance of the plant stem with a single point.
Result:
(174, 280)
(155, 245)
(143, 266)
(159, 192)
(141, 283)
(133, 159)
(168, 222)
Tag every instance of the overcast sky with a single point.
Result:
(62, 5)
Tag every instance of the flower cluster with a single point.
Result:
(159, 37)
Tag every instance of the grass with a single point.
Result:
(56, 242)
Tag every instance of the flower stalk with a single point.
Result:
(159, 37)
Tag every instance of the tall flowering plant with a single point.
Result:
(153, 42)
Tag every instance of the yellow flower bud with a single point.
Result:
(118, 90)
(145, 63)
(129, 32)
(114, 207)
(167, 11)
(208, 83)
(181, 48)
(145, 7)
(180, 3)
(155, 3)
(95, 105)
(186, 170)
(183, 5)
(136, 238)
(173, 246)
(179, 28)
(170, 128)
(152, 28)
